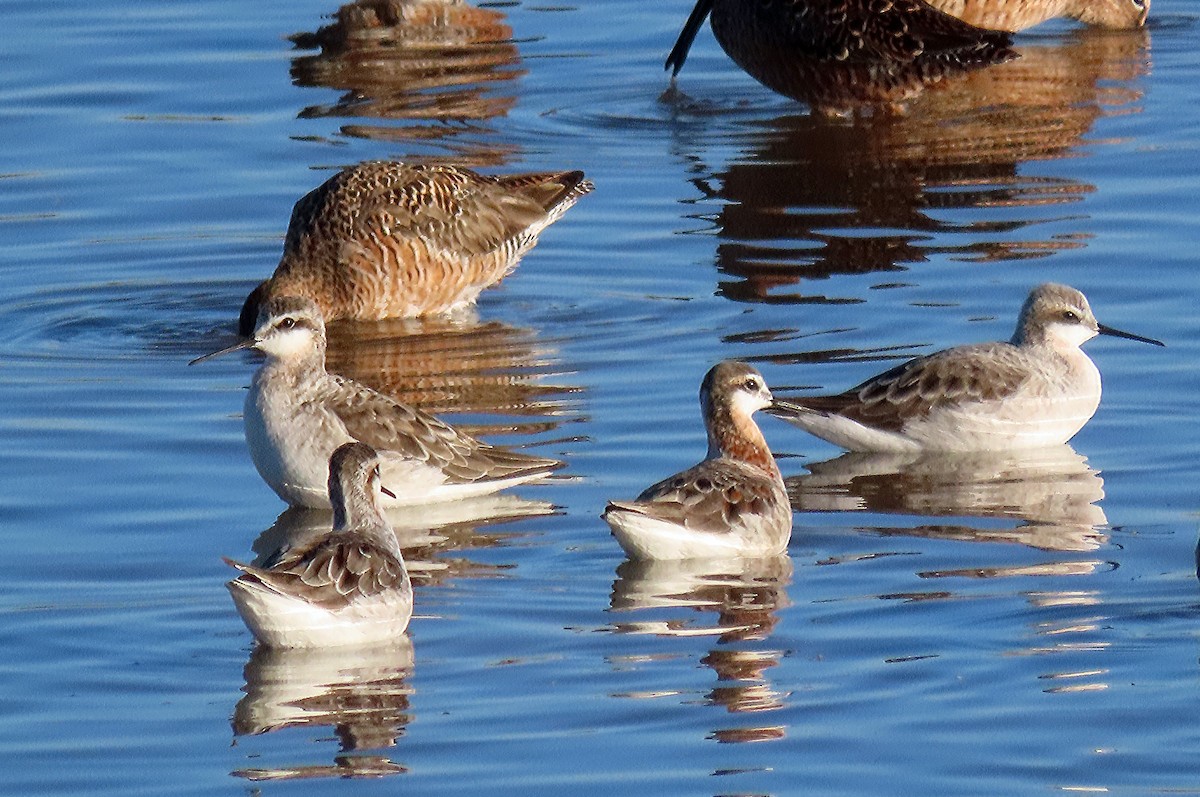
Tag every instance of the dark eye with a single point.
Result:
(287, 323)
(752, 385)
(1069, 315)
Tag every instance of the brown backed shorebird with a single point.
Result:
(834, 53)
(733, 503)
(1016, 15)
(1038, 389)
(349, 586)
(388, 239)
(296, 413)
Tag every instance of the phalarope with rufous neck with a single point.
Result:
(734, 503)
(1038, 389)
(297, 413)
(348, 587)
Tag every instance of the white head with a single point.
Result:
(289, 328)
(1060, 316)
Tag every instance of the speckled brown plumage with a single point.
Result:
(388, 239)
(838, 53)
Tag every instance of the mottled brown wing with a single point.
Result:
(334, 572)
(444, 207)
(715, 496)
(391, 426)
(964, 374)
(880, 30)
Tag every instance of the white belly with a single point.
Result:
(290, 444)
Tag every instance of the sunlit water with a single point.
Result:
(984, 627)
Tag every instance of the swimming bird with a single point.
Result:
(297, 413)
(1016, 15)
(1038, 389)
(387, 239)
(831, 53)
(731, 504)
(350, 586)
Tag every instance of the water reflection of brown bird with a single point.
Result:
(363, 694)
(1051, 491)
(456, 365)
(1015, 15)
(431, 61)
(385, 239)
(835, 54)
(745, 594)
(900, 178)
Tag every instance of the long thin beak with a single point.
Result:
(679, 52)
(248, 343)
(386, 491)
(784, 410)
(1116, 333)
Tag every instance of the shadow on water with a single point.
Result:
(811, 196)
(1051, 493)
(675, 599)
(363, 693)
(438, 71)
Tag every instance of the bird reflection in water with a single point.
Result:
(424, 63)
(362, 693)
(672, 598)
(457, 365)
(1051, 492)
(814, 197)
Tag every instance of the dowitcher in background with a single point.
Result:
(1038, 389)
(1015, 15)
(387, 239)
(297, 413)
(733, 503)
(839, 53)
(348, 587)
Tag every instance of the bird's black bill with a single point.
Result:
(1116, 333)
(386, 491)
(784, 409)
(679, 52)
(245, 344)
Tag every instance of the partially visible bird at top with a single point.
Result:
(385, 239)
(1017, 15)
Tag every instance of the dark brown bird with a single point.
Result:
(838, 53)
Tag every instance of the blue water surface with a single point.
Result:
(1032, 631)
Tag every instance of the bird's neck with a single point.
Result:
(359, 513)
(735, 435)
